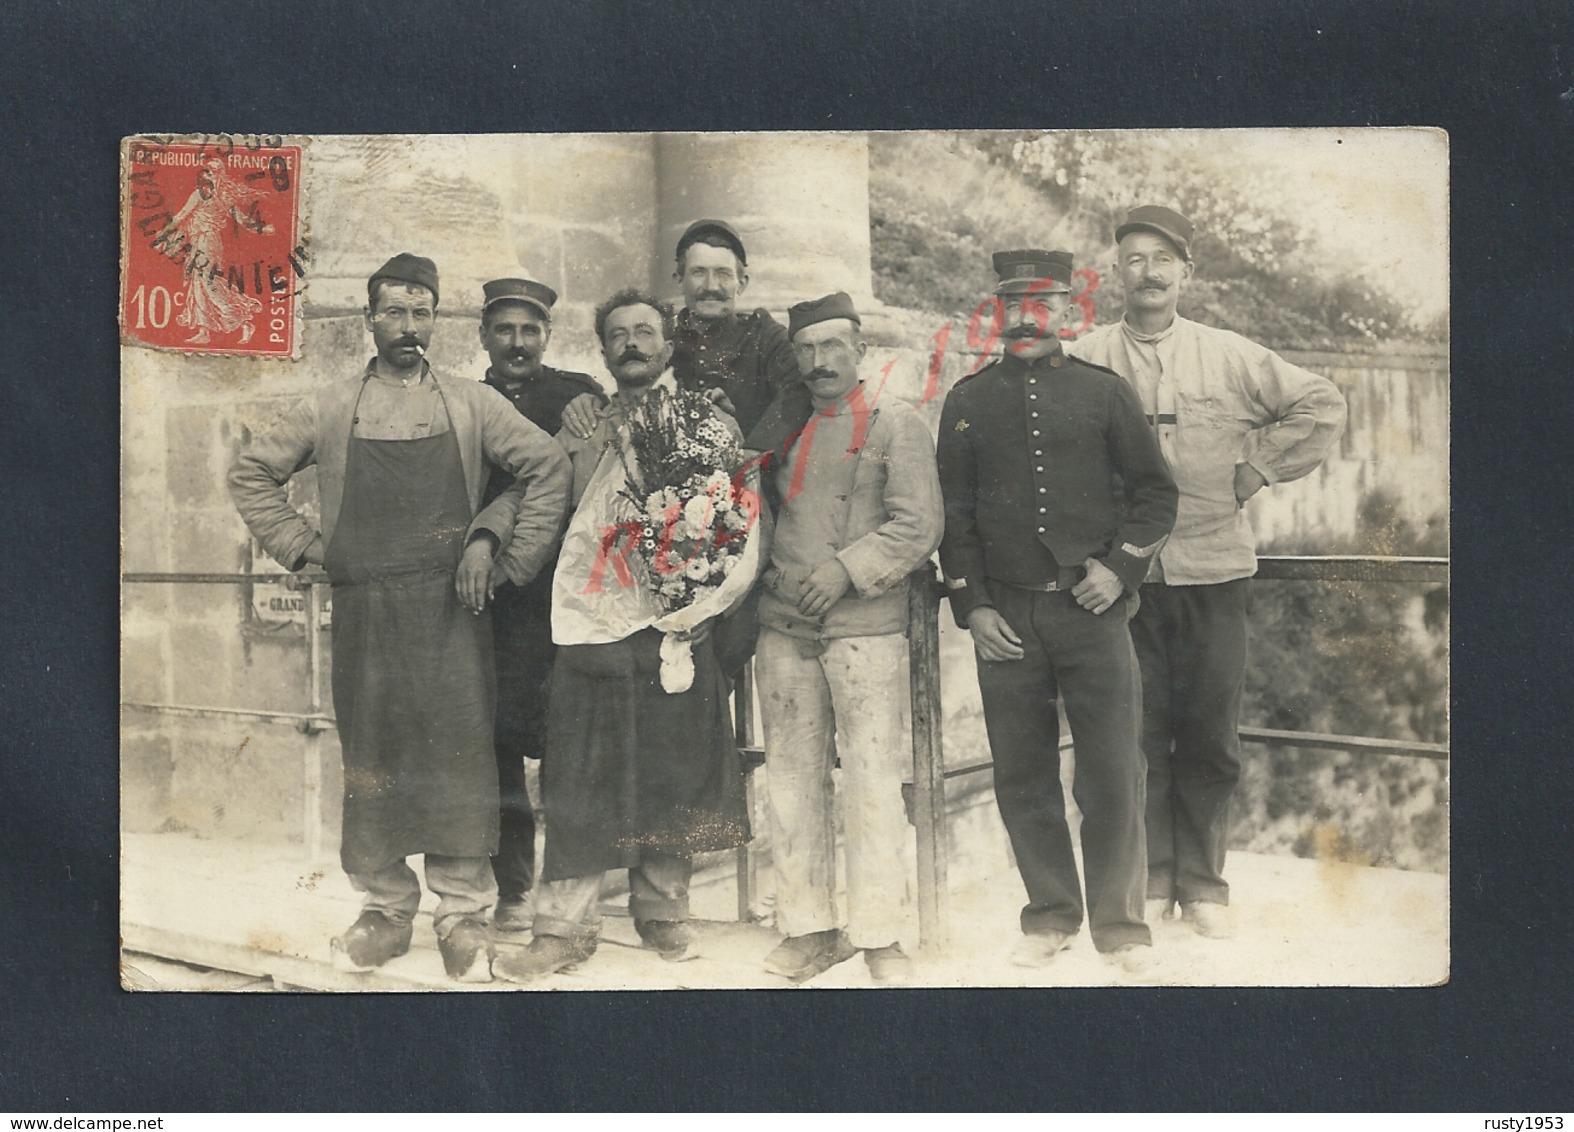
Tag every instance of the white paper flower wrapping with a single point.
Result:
(599, 597)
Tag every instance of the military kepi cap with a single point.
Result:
(1165, 221)
(406, 268)
(538, 295)
(837, 305)
(729, 236)
(1025, 270)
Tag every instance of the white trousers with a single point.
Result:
(856, 691)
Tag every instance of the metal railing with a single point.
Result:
(930, 774)
(311, 723)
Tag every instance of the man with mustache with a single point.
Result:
(516, 326)
(634, 777)
(1056, 497)
(833, 648)
(402, 458)
(1232, 417)
(742, 360)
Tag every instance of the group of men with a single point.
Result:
(1054, 484)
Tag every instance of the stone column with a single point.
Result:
(800, 201)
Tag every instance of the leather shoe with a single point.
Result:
(1159, 908)
(1039, 949)
(1136, 959)
(802, 957)
(468, 952)
(546, 954)
(889, 965)
(668, 938)
(370, 942)
(514, 915)
(1214, 921)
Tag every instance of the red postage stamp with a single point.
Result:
(212, 254)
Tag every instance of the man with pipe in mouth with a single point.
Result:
(403, 456)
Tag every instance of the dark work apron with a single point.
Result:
(630, 767)
(413, 685)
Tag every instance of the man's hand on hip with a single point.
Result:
(992, 636)
(474, 581)
(1100, 589)
(1248, 482)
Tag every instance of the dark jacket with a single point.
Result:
(1044, 465)
(747, 356)
(541, 400)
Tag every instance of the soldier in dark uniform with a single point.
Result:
(1056, 498)
(516, 325)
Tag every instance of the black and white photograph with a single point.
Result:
(785, 560)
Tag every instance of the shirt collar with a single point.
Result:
(1016, 363)
(667, 381)
(706, 328)
(371, 372)
(501, 384)
(1130, 332)
(837, 407)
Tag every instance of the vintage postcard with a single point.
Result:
(785, 560)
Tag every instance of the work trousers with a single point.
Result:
(522, 637)
(1088, 661)
(658, 890)
(852, 690)
(1191, 645)
(464, 888)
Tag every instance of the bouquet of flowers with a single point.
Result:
(679, 465)
(666, 535)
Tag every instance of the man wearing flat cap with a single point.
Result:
(516, 326)
(1231, 417)
(1056, 498)
(832, 652)
(403, 456)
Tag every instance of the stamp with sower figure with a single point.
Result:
(214, 259)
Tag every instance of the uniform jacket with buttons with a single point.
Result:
(1043, 465)
(541, 399)
(1218, 400)
(747, 356)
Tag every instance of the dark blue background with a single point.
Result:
(79, 76)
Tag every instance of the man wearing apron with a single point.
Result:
(402, 458)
